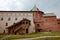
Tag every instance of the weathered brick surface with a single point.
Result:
(46, 23)
(38, 21)
(58, 20)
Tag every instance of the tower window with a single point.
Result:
(37, 9)
(38, 25)
(1, 19)
(8, 19)
(6, 24)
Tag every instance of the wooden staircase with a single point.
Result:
(22, 27)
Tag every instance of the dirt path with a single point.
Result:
(29, 38)
(37, 37)
(5, 37)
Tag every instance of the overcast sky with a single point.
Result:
(47, 6)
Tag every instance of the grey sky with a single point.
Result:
(46, 6)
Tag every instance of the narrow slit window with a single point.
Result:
(1, 19)
(6, 24)
(9, 19)
(15, 18)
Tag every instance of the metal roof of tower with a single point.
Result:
(35, 8)
(49, 14)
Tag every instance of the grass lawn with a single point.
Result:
(2, 36)
(31, 35)
(58, 38)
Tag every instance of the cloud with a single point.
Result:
(16, 4)
(27, 5)
(11, 5)
(50, 6)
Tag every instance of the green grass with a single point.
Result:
(32, 35)
(58, 38)
(2, 36)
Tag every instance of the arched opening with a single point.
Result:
(38, 29)
(26, 30)
(50, 30)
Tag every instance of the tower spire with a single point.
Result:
(35, 8)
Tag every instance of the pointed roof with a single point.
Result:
(18, 23)
(35, 8)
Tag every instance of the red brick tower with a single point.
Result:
(58, 20)
(44, 22)
(37, 18)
